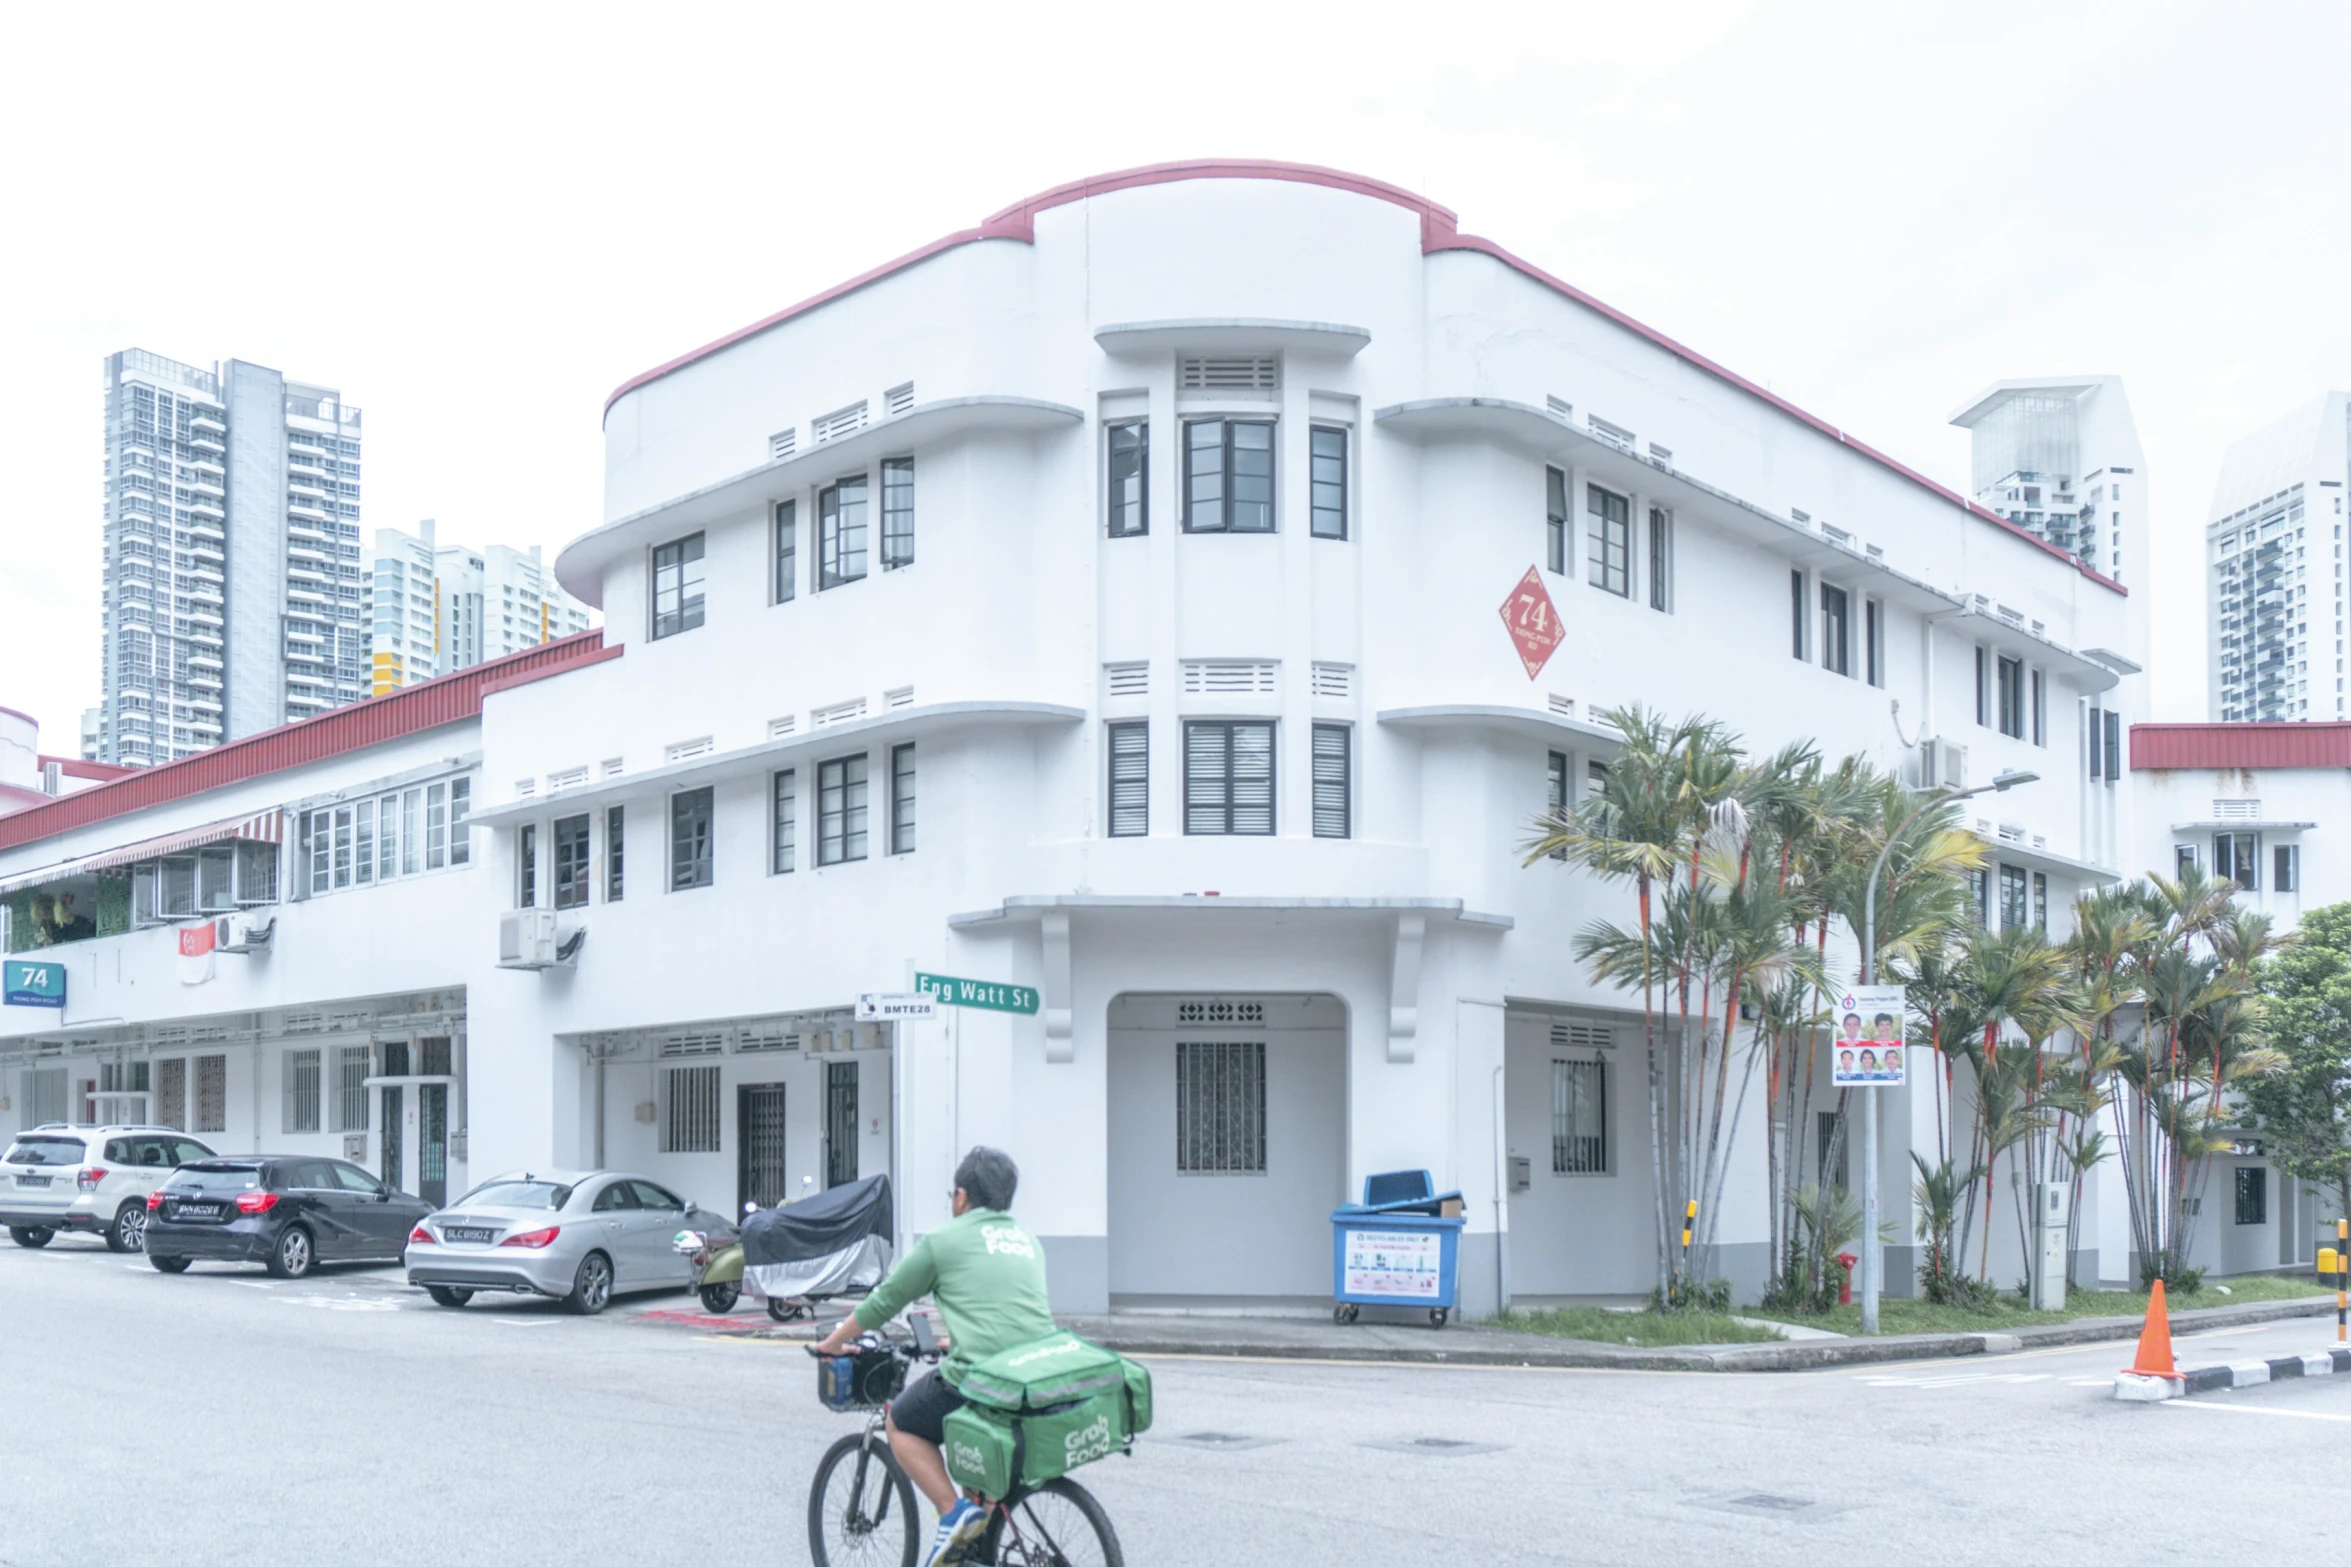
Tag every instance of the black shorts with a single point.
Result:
(922, 1410)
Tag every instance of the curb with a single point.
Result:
(2131, 1387)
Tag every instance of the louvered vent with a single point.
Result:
(1229, 677)
(569, 778)
(1800, 515)
(1231, 373)
(2236, 810)
(1334, 680)
(1663, 454)
(707, 1044)
(1560, 406)
(1127, 681)
(1581, 1036)
(612, 767)
(783, 443)
(1241, 1012)
(903, 696)
(687, 750)
(840, 422)
(898, 398)
(777, 728)
(753, 1037)
(1615, 434)
(524, 788)
(1564, 706)
(838, 713)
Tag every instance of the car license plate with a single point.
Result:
(32, 1180)
(196, 1210)
(464, 1232)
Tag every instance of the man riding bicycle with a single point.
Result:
(987, 1276)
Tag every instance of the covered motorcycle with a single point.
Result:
(835, 1243)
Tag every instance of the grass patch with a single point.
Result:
(1642, 1329)
(1921, 1316)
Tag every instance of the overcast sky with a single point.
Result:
(477, 220)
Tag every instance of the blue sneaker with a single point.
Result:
(960, 1528)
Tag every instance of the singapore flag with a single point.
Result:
(196, 960)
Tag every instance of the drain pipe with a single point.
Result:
(1501, 1199)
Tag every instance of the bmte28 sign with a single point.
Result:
(24, 984)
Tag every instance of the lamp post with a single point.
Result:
(1873, 1262)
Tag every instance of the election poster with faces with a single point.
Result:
(1868, 1050)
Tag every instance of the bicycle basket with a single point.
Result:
(865, 1379)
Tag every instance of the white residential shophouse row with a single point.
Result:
(1113, 600)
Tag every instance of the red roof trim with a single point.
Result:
(448, 700)
(1439, 230)
(2159, 747)
(27, 717)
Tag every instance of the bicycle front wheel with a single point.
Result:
(861, 1507)
(1059, 1524)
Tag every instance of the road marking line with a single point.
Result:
(2254, 1409)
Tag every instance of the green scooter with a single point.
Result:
(718, 1276)
(828, 1245)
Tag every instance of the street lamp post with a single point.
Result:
(1873, 1262)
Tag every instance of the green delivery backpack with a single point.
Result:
(1038, 1410)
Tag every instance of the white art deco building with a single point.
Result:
(1113, 602)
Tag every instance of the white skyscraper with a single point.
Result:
(231, 595)
(2059, 456)
(435, 609)
(2274, 568)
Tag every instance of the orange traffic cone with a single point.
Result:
(2154, 1357)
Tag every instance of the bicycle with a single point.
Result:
(861, 1506)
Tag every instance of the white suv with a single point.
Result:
(90, 1178)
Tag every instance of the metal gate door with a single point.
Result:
(840, 1122)
(760, 1174)
(432, 1143)
(394, 1105)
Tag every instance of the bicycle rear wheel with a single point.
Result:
(861, 1507)
(1059, 1524)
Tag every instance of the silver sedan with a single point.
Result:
(578, 1236)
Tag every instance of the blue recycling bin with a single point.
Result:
(1396, 1248)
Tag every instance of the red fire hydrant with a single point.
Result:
(1845, 1260)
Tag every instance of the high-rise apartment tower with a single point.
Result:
(2274, 568)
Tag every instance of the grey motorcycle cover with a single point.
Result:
(830, 1222)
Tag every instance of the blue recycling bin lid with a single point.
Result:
(1401, 1191)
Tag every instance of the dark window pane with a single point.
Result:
(1329, 483)
(677, 586)
(787, 583)
(689, 839)
(1608, 541)
(840, 811)
(1228, 778)
(1130, 477)
(526, 868)
(1250, 475)
(897, 513)
(571, 863)
(614, 836)
(840, 522)
(787, 822)
(1204, 476)
(901, 799)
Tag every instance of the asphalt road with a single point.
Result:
(224, 1417)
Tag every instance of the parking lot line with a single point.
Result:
(2252, 1409)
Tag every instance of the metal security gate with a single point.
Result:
(432, 1143)
(395, 1106)
(840, 1122)
(760, 1174)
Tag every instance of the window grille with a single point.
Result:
(569, 778)
(1126, 681)
(212, 1094)
(690, 855)
(1130, 780)
(1230, 677)
(1579, 1118)
(1244, 1012)
(902, 696)
(840, 422)
(689, 1114)
(787, 823)
(1230, 373)
(687, 750)
(838, 713)
(302, 1090)
(840, 811)
(351, 1088)
(1331, 784)
(171, 1095)
(898, 398)
(2252, 1194)
(1229, 778)
(782, 444)
(1220, 1107)
(1614, 434)
(1333, 680)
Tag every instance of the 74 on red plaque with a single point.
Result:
(1533, 622)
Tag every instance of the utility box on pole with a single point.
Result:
(2052, 1218)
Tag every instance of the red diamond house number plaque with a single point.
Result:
(1533, 622)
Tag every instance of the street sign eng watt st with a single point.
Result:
(895, 1007)
(28, 984)
(986, 994)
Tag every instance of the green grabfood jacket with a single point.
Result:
(987, 1275)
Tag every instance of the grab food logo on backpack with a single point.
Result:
(1005, 1240)
(1065, 1347)
(1085, 1445)
(970, 1459)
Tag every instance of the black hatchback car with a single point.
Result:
(285, 1212)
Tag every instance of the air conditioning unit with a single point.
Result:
(1942, 764)
(242, 933)
(532, 939)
